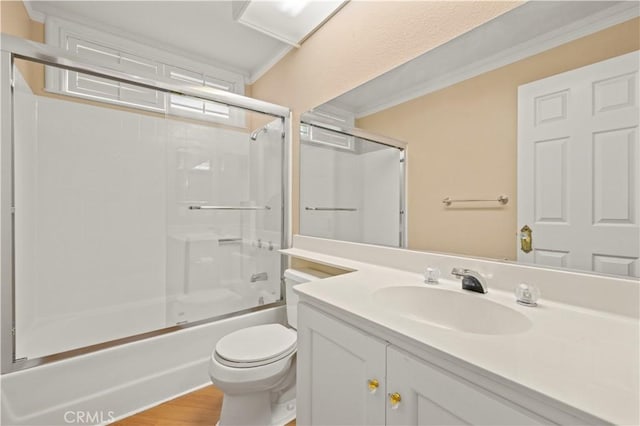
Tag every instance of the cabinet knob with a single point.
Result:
(395, 399)
(373, 385)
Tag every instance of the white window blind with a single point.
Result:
(197, 108)
(333, 116)
(322, 136)
(102, 88)
(135, 58)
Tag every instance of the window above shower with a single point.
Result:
(110, 49)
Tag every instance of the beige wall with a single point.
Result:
(14, 20)
(362, 41)
(463, 144)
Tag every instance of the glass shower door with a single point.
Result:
(225, 219)
(132, 218)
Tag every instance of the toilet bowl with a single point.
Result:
(255, 367)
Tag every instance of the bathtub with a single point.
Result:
(107, 385)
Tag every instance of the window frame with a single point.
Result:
(58, 32)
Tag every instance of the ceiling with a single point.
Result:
(201, 30)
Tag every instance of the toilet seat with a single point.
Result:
(256, 346)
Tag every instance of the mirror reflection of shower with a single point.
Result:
(351, 188)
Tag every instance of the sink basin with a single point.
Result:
(470, 313)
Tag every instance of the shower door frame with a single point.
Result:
(17, 48)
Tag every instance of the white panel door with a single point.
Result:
(432, 396)
(335, 364)
(578, 161)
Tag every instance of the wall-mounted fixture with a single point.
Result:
(502, 199)
(290, 21)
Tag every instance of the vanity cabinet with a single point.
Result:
(340, 373)
(433, 396)
(349, 377)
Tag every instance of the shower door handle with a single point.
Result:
(229, 208)
(331, 209)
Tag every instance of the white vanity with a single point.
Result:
(368, 353)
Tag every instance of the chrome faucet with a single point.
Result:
(260, 276)
(471, 280)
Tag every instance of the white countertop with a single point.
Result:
(584, 358)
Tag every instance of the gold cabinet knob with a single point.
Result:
(395, 399)
(373, 385)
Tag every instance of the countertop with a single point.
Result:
(586, 359)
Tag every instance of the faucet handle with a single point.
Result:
(527, 295)
(459, 272)
(432, 275)
(471, 280)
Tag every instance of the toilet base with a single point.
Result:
(280, 413)
(283, 413)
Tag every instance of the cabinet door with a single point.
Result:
(433, 396)
(335, 364)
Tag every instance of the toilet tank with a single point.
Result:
(293, 277)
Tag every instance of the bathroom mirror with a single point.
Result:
(522, 138)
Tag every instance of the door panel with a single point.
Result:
(578, 157)
(551, 180)
(557, 259)
(615, 265)
(613, 172)
(431, 396)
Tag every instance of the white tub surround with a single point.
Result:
(578, 362)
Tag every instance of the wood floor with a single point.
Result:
(198, 408)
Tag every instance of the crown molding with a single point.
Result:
(35, 15)
(259, 72)
(584, 27)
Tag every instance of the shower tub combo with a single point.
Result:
(133, 235)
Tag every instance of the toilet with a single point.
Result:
(255, 367)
